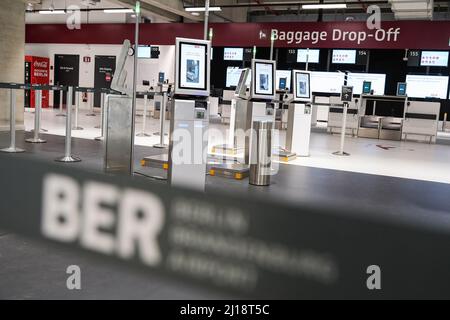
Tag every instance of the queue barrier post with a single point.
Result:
(144, 119)
(91, 107)
(104, 115)
(77, 108)
(61, 111)
(162, 113)
(68, 145)
(37, 119)
(12, 125)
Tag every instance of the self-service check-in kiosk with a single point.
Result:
(299, 118)
(189, 122)
(258, 106)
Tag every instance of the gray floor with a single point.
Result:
(32, 270)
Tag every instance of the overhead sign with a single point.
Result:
(346, 94)
(339, 35)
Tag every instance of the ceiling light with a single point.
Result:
(195, 14)
(202, 9)
(52, 12)
(118, 11)
(325, 6)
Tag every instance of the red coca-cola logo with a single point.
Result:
(41, 64)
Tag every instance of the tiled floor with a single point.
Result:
(410, 160)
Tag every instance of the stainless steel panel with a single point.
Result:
(119, 135)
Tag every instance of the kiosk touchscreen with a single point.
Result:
(302, 89)
(299, 118)
(263, 84)
(401, 89)
(189, 121)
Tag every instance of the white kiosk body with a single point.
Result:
(299, 115)
(189, 122)
(260, 106)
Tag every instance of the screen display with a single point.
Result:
(233, 54)
(286, 75)
(193, 66)
(344, 56)
(327, 82)
(367, 85)
(144, 52)
(434, 58)
(401, 89)
(420, 86)
(302, 83)
(378, 82)
(233, 75)
(264, 78)
(313, 55)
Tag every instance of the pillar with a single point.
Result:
(12, 56)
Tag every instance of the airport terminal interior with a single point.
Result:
(219, 149)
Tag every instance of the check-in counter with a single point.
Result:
(391, 128)
(369, 127)
(320, 109)
(421, 121)
(336, 112)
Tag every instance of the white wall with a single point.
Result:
(148, 69)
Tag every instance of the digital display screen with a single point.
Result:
(240, 84)
(401, 89)
(344, 56)
(232, 78)
(313, 55)
(302, 85)
(434, 58)
(193, 66)
(233, 54)
(263, 76)
(144, 52)
(286, 75)
(367, 85)
(421, 86)
(377, 80)
(327, 82)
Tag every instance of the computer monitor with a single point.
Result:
(263, 79)
(192, 67)
(302, 85)
(401, 89)
(367, 87)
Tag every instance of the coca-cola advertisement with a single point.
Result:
(37, 70)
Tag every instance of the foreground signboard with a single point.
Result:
(249, 247)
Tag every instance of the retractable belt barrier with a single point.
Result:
(251, 247)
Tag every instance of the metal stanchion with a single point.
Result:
(341, 151)
(68, 147)
(61, 111)
(162, 112)
(37, 119)
(77, 107)
(144, 120)
(12, 146)
(102, 101)
(104, 115)
(444, 123)
(91, 109)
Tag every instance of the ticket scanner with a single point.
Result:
(188, 141)
(256, 106)
(299, 118)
